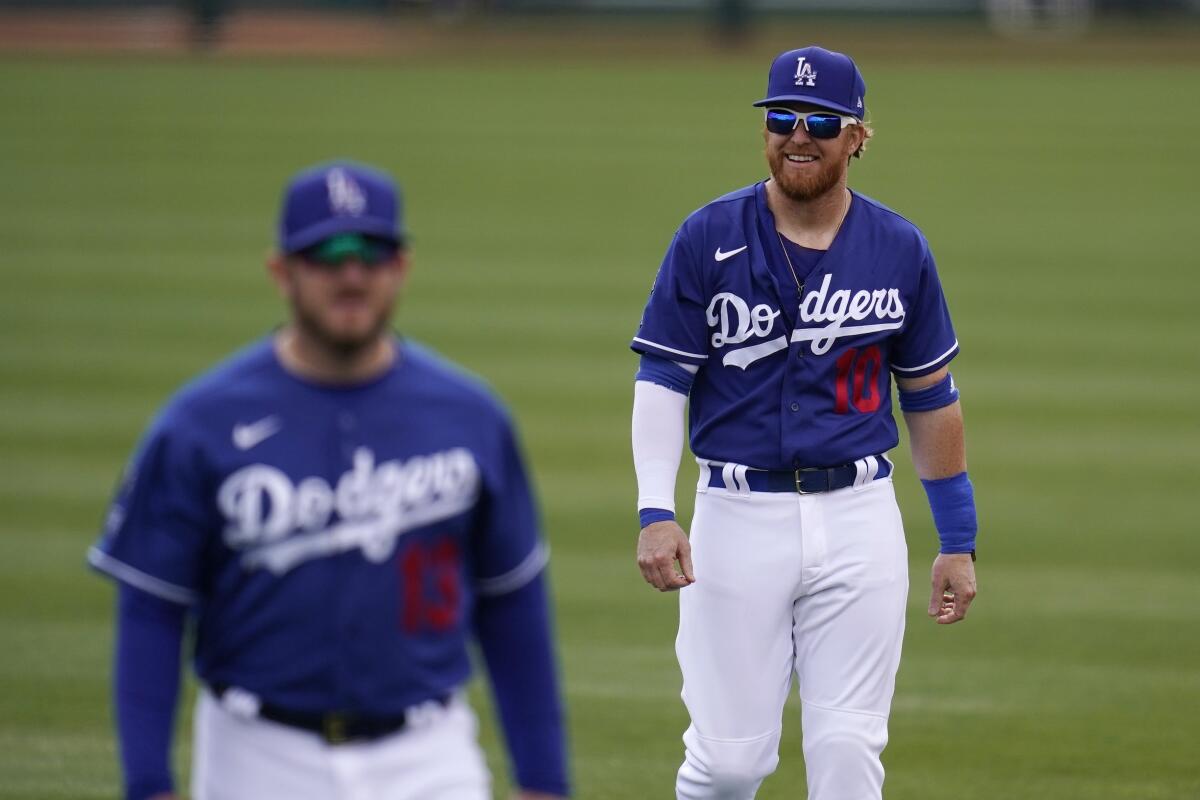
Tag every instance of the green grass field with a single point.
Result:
(137, 205)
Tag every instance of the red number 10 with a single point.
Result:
(858, 374)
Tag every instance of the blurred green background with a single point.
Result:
(1060, 197)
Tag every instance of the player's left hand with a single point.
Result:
(953, 582)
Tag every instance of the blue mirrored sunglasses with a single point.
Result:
(819, 124)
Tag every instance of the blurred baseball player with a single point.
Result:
(780, 311)
(338, 511)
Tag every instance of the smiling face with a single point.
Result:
(806, 168)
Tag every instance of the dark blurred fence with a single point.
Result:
(727, 8)
(210, 20)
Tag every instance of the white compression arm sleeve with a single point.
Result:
(657, 443)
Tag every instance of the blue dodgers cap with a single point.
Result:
(818, 76)
(339, 197)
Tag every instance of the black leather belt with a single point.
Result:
(335, 727)
(804, 481)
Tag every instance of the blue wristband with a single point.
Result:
(952, 501)
(649, 516)
(940, 394)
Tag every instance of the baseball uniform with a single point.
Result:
(337, 546)
(784, 354)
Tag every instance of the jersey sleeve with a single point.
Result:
(674, 324)
(158, 523)
(508, 549)
(927, 342)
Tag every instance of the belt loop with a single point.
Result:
(739, 478)
(872, 468)
(237, 701)
(734, 476)
(727, 476)
(860, 472)
(705, 476)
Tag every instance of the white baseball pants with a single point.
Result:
(811, 585)
(239, 757)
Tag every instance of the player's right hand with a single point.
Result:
(660, 545)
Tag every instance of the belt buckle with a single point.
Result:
(799, 487)
(829, 476)
(333, 729)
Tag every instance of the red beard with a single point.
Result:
(803, 188)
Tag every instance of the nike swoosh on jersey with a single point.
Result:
(247, 436)
(719, 256)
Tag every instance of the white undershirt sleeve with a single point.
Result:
(657, 443)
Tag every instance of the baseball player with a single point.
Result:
(337, 511)
(780, 312)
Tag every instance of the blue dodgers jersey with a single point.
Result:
(330, 541)
(790, 378)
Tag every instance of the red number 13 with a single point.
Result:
(429, 576)
(857, 379)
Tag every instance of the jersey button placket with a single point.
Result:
(349, 656)
(347, 426)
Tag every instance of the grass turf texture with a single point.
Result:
(138, 204)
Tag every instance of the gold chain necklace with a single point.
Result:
(791, 269)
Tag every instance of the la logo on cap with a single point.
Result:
(805, 74)
(345, 196)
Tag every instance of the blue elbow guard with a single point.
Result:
(664, 373)
(940, 394)
(952, 501)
